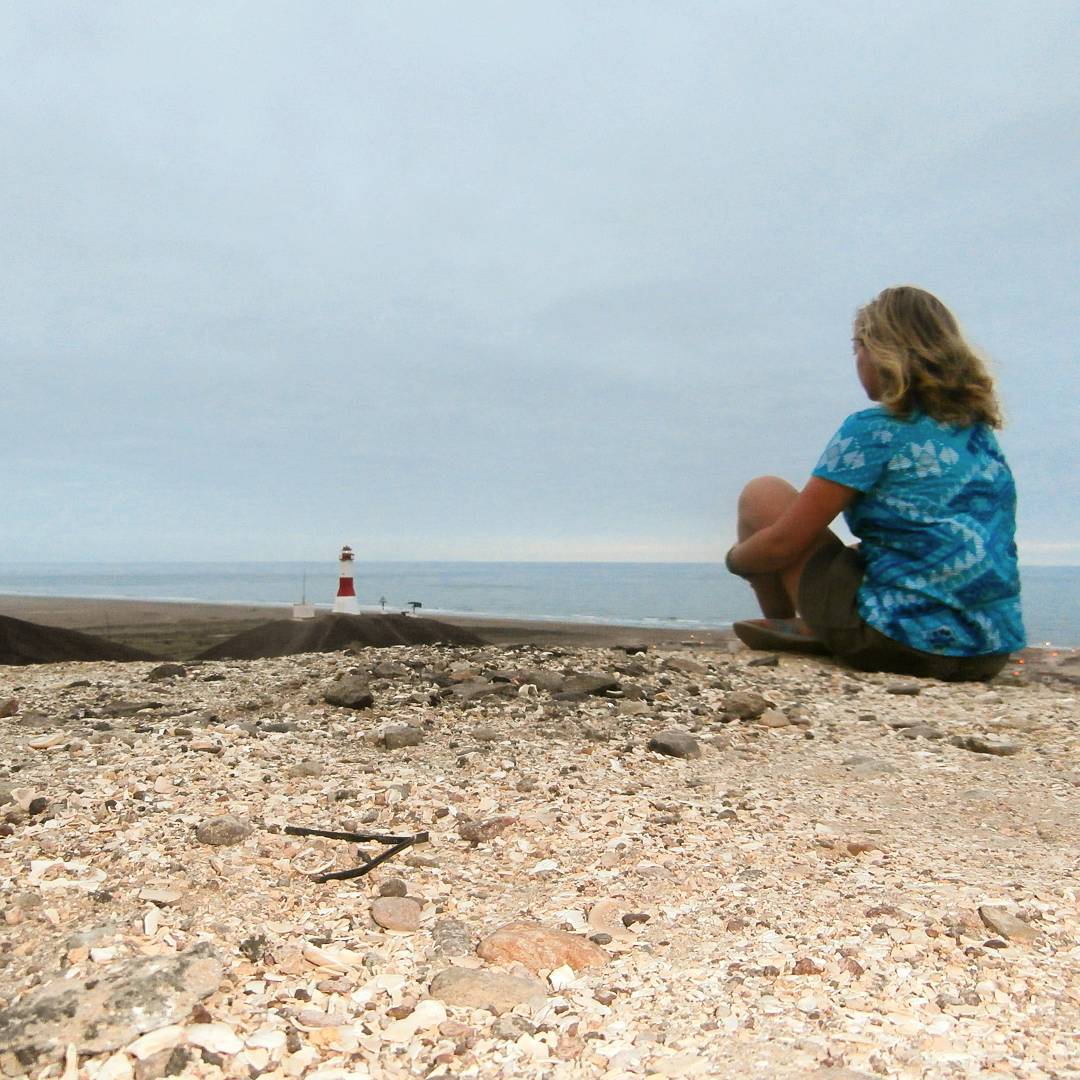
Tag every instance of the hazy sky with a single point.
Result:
(506, 280)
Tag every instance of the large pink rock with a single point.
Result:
(537, 948)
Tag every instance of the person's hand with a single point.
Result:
(727, 562)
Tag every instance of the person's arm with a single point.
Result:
(781, 543)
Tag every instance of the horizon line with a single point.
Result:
(332, 562)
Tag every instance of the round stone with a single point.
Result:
(223, 831)
(396, 913)
(393, 887)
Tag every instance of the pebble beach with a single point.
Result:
(652, 858)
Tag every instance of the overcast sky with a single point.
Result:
(506, 280)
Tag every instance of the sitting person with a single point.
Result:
(932, 589)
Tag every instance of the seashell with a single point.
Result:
(332, 957)
(311, 861)
(153, 1042)
(218, 1038)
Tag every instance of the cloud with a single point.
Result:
(485, 278)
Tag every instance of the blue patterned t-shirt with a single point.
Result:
(936, 517)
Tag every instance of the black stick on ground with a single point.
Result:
(396, 845)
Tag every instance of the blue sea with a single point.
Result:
(689, 595)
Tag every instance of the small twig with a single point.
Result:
(396, 844)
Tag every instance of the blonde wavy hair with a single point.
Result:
(922, 360)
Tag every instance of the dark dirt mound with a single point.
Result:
(24, 642)
(329, 633)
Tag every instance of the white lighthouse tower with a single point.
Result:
(345, 601)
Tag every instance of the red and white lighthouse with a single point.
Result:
(345, 601)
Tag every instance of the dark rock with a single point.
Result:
(8, 707)
(349, 692)
(166, 671)
(393, 887)
(254, 947)
(477, 832)
(904, 689)
(977, 744)
(390, 670)
(451, 937)
(633, 650)
(223, 831)
(595, 683)
(478, 688)
(397, 738)
(511, 1027)
(115, 709)
(745, 704)
(765, 661)
(675, 744)
(922, 731)
(551, 681)
(684, 665)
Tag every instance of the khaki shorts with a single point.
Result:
(828, 594)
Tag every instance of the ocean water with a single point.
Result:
(690, 595)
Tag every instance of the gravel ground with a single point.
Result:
(689, 862)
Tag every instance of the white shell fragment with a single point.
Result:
(217, 1038)
(153, 1042)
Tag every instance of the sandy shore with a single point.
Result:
(726, 864)
(182, 629)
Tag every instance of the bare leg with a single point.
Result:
(761, 503)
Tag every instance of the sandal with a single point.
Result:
(779, 635)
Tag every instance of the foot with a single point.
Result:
(783, 626)
(788, 635)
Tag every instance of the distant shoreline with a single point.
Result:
(180, 625)
(182, 628)
(662, 597)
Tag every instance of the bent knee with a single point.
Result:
(766, 489)
(762, 501)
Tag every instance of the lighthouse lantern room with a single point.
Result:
(345, 602)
